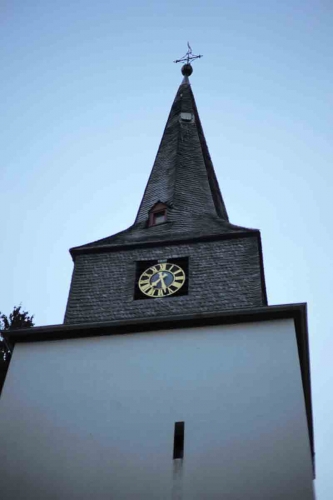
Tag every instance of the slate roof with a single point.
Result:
(183, 178)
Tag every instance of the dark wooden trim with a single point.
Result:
(262, 272)
(5, 367)
(302, 337)
(230, 316)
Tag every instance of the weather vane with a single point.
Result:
(188, 57)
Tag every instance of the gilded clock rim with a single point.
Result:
(164, 290)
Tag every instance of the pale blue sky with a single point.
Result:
(86, 89)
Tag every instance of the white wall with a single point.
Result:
(94, 418)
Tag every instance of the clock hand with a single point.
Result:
(160, 279)
(155, 282)
(162, 276)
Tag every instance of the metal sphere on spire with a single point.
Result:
(187, 69)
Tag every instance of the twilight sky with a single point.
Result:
(86, 89)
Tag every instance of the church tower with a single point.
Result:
(171, 377)
(182, 221)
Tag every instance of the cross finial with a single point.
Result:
(188, 57)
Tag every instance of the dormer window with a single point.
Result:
(158, 214)
(159, 217)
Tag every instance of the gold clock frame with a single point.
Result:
(157, 288)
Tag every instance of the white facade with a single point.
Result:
(94, 417)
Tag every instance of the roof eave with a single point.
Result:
(148, 244)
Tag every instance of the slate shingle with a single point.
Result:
(225, 260)
(223, 274)
(183, 177)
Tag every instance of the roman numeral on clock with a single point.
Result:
(161, 280)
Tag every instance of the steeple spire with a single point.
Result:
(183, 176)
(182, 190)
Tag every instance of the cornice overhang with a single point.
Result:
(297, 312)
(167, 242)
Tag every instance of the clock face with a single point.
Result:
(161, 280)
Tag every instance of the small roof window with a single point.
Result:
(158, 214)
(159, 217)
(186, 117)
